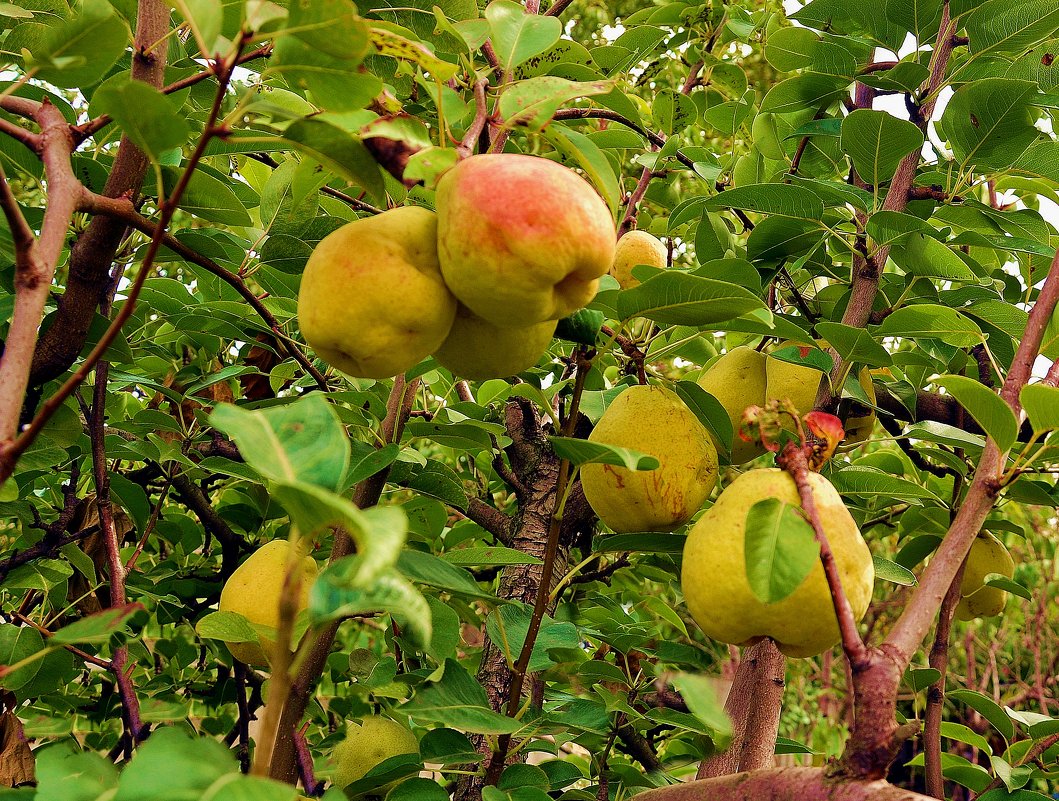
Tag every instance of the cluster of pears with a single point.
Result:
(745, 377)
(517, 243)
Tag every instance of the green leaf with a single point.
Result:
(533, 102)
(225, 626)
(149, 118)
(806, 91)
(332, 27)
(207, 197)
(19, 644)
(921, 678)
(1006, 27)
(1041, 403)
(780, 549)
(578, 148)
(99, 628)
(988, 709)
(80, 50)
(964, 734)
(489, 556)
(458, 701)
(391, 43)
(854, 344)
(709, 412)
(778, 199)
(986, 407)
(930, 321)
(988, 122)
(346, 589)
(340, 151)
(329, 79)
(581, 451)
(185, 766)
(296, 442)
(923, 255)
(516, 35)
(508, 625)
(869, 482)
(67, 775)
(893, 572)
(677, 298)
(673, 111)
(425, 568)
(702, 695)
(876, 142)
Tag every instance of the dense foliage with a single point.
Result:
(871, 185)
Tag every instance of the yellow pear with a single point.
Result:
(366, 744)
(254, 590)
(714, 577)
(655, 421)
(477, 349)
(636, 247)
(521, 239)
(987, 555)
(737, 380)
(372, 300)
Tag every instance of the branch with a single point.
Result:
(911, 627)
(557, 8)
(491, 519)
(122, 209)
(21, 233)
(93, 253)
(20, 134)
(195, 500)
(35, 268)
(1035, 751)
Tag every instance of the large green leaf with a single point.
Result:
(986, 407)
(458, 701)
(779, 199)
(877, 141)
(930, 321)
(517, 35)
(988, 122)
(677, 298)
(149, 118)
(1010, 27)
(78, 51)
(780, 549)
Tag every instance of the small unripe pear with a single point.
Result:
(521, 239)
(714, 576)
(987, 555)
(254, 591)
(372, 300)
(366, 744)
(636, 247)
(476, 349)
(655, 421)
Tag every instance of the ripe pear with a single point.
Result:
(477, 349)
(521, 239)
(636, 247)
(714, 577)
(254, 590)
(737, 380)
(987, 555)
(655, 421)
(366, 744)
(372, 300)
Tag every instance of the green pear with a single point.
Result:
(987, 555)
(254, 591)
(372, 300)
(655, 421)
(477, 349)
(737, 380)
(714, 578)
(521, 239)
(636, 247)
(366, 744)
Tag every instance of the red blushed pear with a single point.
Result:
(521, 239)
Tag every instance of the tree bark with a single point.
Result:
(781, 784)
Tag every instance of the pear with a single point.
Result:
(521, 239)
(477, 349)
(987, 555)
(254, 590)
(714, 578)
(737, 380)
(366, 744)
(655, 421)
(372, 300)
(636, 247)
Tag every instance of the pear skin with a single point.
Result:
(476, 349)
(254, 590)
(636, 247)
(655, 421)
(366, 744)
(521, 239)
(737, 380)
(714, 579)
(987, 555)
(372, 300)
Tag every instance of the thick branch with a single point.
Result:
(781, 784)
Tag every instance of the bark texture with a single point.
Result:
(781, 784)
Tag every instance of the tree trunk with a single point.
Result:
(781, 784)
